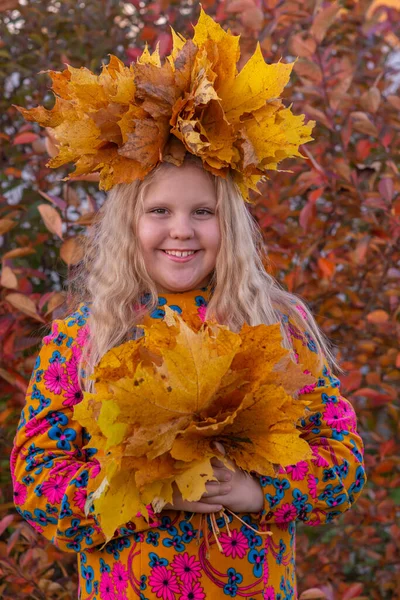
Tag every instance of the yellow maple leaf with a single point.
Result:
(162, 399)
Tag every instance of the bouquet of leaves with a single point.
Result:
(161, 400)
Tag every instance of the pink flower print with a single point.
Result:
(348, 414)
(66, 468)
(82, 335)
(269, 593)
(73, 395)
(235, 545)
(72, 364)
(36, 427)
(317, 459)
(55, 378)
(186, 567)
(298, 471)
(201, 311)
(107, 591)
(307, 389)
(80, 498)
(163, 583)
(301, 310)
(35, 526)
(284, 515)
(333, 416)
(54, 488)
(94, 468)
(312, 485)
(52, 335)
(193, 591)
(20, 492)
(120, 577)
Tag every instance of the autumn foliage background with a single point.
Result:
(332, 227)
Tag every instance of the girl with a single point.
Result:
(175, 231)
(183, 238)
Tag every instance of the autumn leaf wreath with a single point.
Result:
(162, 400)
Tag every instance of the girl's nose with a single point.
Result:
(181, 228)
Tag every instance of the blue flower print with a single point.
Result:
(64, 437)
(81, 480)
(79, 317)
(311, 345)
(265, 480)
(42, 519)
(188, 532)
(343, 469)
(59, 339)
(87, 534)
(83, 558)
(65, 510)
(111, 548)
(152, 538)
(75, 529)
(37, 363)
(359, 481)
(38, 490)
(230, 589)
(157, 313)
(123, 543)
(143, 579)
(104, 567)
(88, 575)
(328, 399)
(200, 301)
(234, 577)
(339, 435)
(74, 545)
(256, 558)
(281, 552)
(36, 393)
(155, 561)
(272, 500)
(57, 418)
(38, 375)
(300, 500)
(27, 480)
(175, 542)
(57, 357)
(329, 474)
(176, 308)
(355, 451)
(166, 525)
(51, 510)
(280, 485)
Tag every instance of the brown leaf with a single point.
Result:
(18, 252)
(8, 5)
(362, 123)
(324, 19)
(8, 278)
(371, 99)
(313, 594)
(51, 219)
(71, 251)
(56, 300)
(24, 304)
(302, 45)
(6, 225)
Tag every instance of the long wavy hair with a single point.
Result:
(112, 276)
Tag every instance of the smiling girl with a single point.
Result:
(180, 236)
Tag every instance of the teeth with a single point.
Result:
(181, 254)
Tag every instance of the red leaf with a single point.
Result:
(386, 188)
(25, 138)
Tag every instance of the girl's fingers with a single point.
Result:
(216, 462)
(216, 489)
(223, 474)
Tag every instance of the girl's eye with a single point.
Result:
(200, 210)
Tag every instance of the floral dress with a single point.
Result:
(175, 555)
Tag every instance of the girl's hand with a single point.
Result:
(198, 507)
(237, 490)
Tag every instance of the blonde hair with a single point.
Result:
(112, 275)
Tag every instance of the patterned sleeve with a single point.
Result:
(51, 472)
(317, 490)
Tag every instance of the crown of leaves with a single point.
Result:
(126, 120)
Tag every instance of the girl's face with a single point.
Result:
(180, 214)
